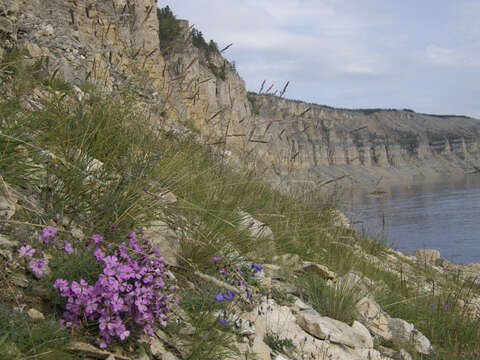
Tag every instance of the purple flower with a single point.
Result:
(37, 266)
(223, 322)
(68, 247)
(222, 271)
(96, 238)
(229, 295)
(27, 251)
(219, 297)
(49, 231)
(216, 258)
(113, 227)
(257, 267)
(128, 294)
(61, 285)
(99, 254)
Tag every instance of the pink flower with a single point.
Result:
(27, 251)
(50, 231)
(37, 267)
(216, 258)
(96, 238)
(99, 254)
(68, 247)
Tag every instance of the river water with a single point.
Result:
(445, 217)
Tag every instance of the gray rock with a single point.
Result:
(318, 269)
(92, 351)
(161, 235)
(396, 330)
(291, 261)
(323, 327)
(256, 228)
(35, 315)
(402, 354)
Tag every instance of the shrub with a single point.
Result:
(168, 28)
(336, 301)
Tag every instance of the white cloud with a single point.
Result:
(322, 37)
(461, 56)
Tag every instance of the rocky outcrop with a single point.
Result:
(317, 143)
(396, 330)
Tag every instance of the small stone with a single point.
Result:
(77, 233)
(49, 30)
(156, 347)
(256, 228)
(402, 354)
(35, 315)
(290, 261)
(168, 197)
(33, 49)
(299, 305)
(318, 269)
(92, 351)
(162, 236)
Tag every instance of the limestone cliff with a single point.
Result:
(116, 42)
(318, 143)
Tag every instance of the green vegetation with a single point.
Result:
(337, 301)
(169, 30)
(278, 344)
(20, 337)
(199, 41)
(170, 35)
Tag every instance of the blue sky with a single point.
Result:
(417, 54)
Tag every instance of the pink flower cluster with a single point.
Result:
(37, 264)
(130, 292)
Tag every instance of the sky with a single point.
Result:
(417, 54)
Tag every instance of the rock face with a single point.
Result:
(323, 327)
(103, 39)
(312, 141)
(396, 330)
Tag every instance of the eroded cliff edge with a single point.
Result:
(292, 142)
(372, 146)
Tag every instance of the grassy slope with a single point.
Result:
(47, 155)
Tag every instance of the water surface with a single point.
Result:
(445, 217)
